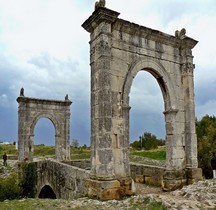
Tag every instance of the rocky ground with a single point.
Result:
(200, 195)
(148, 161)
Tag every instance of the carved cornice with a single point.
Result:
(102, 14)
(26, 100)
(181, 41)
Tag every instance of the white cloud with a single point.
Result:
(146, 95)
(44, 49)
(30, 27)
(4, 100)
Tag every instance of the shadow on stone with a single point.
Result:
(47, 192)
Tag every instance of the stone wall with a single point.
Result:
(142, 173)
(82, 163)
(151, 175)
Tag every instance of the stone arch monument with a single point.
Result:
(118, 51)
(30, 111)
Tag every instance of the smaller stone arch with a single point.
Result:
(30, 111)
(47, 192)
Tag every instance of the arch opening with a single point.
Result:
(44, 132)
(47, 192)
(147, 106)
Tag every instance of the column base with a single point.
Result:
(127, 186)
(109, 190)
(103, 190)
(174, 179)
(193, 175)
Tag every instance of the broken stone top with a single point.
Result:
(100, 3)
(100, 15)
(65, 102)
(22, 98)
(103, 14)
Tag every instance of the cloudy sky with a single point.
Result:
(44, 49)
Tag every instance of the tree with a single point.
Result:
(146, 141)
(75, 143)
(149, 141)
(206, 139)
(136, 145)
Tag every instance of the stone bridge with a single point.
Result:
(70, 179)
(59, 180)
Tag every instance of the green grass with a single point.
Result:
(56, 204)
(81, 153)
(8, 148)
(157, 154)
(42, 150)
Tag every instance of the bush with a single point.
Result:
(9, 187)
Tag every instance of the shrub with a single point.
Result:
(9, 187)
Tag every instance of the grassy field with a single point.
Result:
(156, 154)
(81, 153)
(46, 151)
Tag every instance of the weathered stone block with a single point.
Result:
(139, 179)
(153, 181)
(194, 173)
(104, 190)
(127, 186)
(174, 174)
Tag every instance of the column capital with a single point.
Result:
(187, 68)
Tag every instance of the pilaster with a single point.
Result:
(187, 69)
(99, 25)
